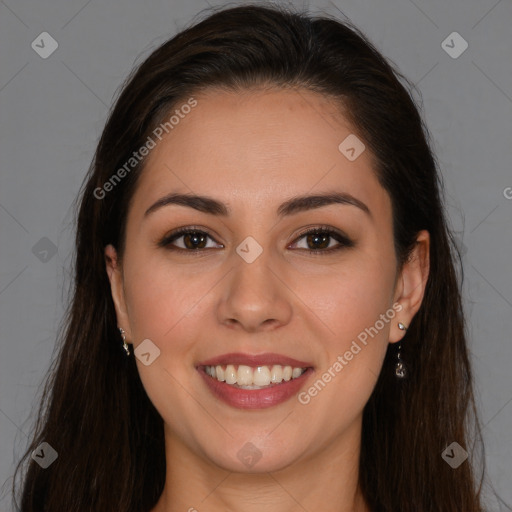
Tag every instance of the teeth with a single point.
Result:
(247, 377)
(220, 374)
(261, 376)
(230, 374)
(276, 374)
(244, 376)
(296, 372)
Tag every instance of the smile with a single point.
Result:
(254, 387)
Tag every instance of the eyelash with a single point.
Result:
(344, 241)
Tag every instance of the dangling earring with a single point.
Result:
(400, 370)
(125, 345)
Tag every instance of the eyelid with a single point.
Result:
(321, 228)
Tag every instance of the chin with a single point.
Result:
(254, 456)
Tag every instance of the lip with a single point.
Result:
(254, 398)
(255, 360)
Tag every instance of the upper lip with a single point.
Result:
(255, 360)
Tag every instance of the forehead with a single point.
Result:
(258, 147)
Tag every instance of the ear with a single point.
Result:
(115, 276)
(411, 283)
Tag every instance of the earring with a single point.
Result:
(125, 345)
(400, 370)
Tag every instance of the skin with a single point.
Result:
(253, 151)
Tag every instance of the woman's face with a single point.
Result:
(247, 293)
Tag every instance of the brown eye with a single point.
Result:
(318, 241)
(188, 240)
(322, 240)
(194, 240)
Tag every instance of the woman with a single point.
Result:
(266, 313)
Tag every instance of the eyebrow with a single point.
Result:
(294, 205)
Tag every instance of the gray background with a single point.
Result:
(53, 111)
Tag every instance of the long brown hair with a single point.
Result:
(95, 411)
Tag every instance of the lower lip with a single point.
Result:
(255, 398)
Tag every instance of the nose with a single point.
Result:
(255, 297)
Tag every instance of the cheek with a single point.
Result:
(349, 298)
(356, 308)
(166, 306)
(161, 295)
(353, 311)
(170, 306)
